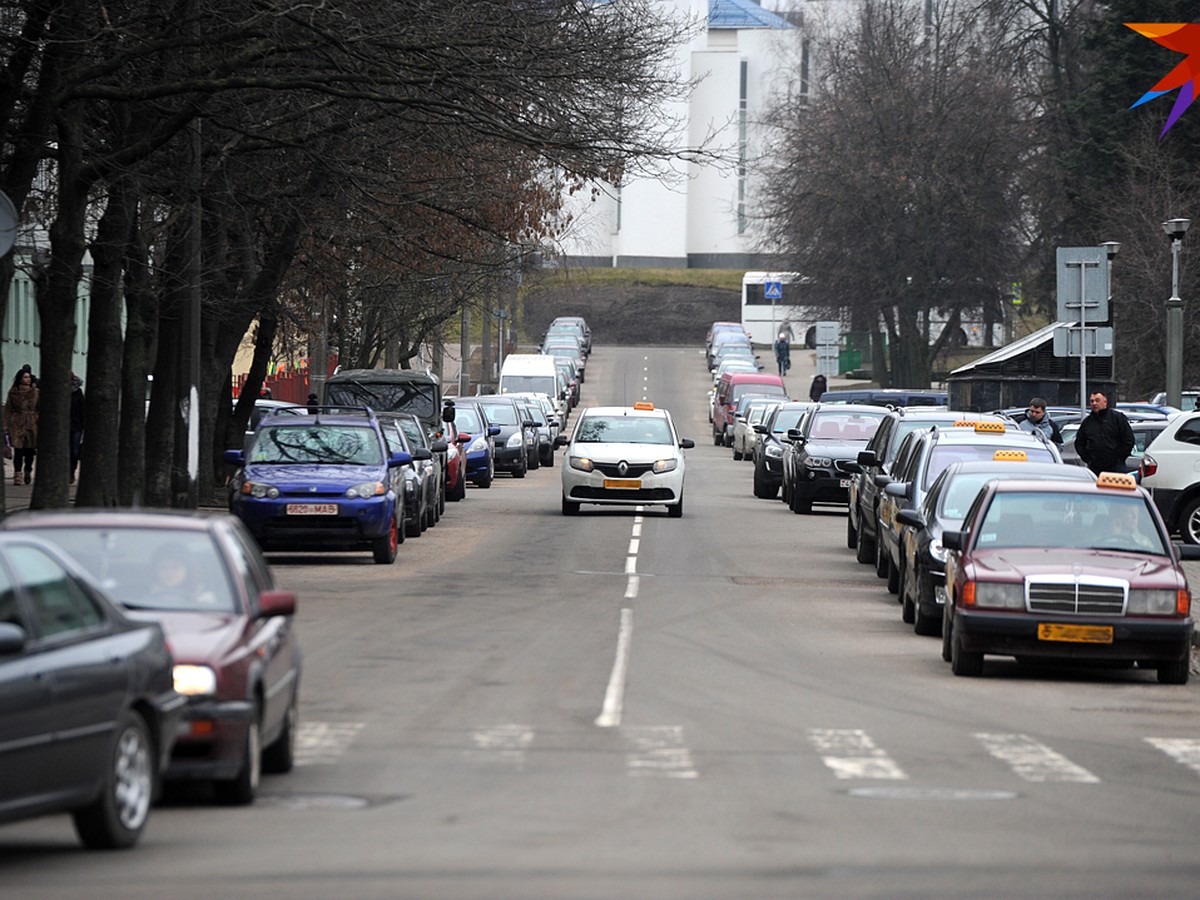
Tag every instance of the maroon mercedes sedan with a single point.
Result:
(1067, 570)
(203, 578)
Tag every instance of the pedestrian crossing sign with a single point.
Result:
(773, 290)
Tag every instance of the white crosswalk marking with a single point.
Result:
(851, 753)
(660, 753)
(1185, 751)
(505, 743)
(1034, 761)
(323, 743)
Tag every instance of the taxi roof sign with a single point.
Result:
(643, 404)
(1010, 456)
(1119, 480)
(989, 427)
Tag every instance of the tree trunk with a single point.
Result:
(141, 315)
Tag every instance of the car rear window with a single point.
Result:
(311, 443)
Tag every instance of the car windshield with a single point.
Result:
(152, 568)
(1068, 520)
(844, 425)
(467, 421)
(787, 418)
(502, 414)
(310, 443)
(944, 455)
(384, 396)
(624, 430)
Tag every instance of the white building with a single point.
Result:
(699, 216)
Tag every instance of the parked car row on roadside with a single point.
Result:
(984, 535)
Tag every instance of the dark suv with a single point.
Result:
(768, 446)
(516, 432)
(320, 480)
(822, 454)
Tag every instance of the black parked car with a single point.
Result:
(768, 446)
(88, 710)
(516, 433)
(822, 454)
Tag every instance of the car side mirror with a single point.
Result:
(493, 430)
(12, 638)
(448, 412)
(462, 438)
(276, 603)
(851, 466)
(866, 458)
(561, 440)
(760, 429)
(422, 453)
(687, 443)
(234, 457)
(795, 435)
(399, 458)
(439, 446)
(954, 540)
(882, 481)
(911, 518)
(529, 423)
(896, 489)
(1188, 551)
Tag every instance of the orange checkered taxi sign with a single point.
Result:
(1119, 480)
(1010, 456)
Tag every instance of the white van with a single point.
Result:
(534, 373)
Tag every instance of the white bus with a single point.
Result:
(764, 317)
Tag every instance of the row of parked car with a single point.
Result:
(984, 534)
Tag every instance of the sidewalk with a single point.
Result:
(17, 496)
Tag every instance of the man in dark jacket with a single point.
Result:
(76, 422)
(1104, 439)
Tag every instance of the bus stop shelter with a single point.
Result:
(1027, 368)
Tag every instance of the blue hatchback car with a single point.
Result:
(320, 480)
(471, 420)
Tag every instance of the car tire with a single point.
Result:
(519, 471)
(800, 506)
(930, 626)
(676, 511)
(484, 480)
(865, 551)
(570, 507)
(962, 663)
(882, 560)
(762, 490)
(116, 818)
(459, 491)
(893, 582)
(241, 789)
(851, 533)
(280, 756)
(946, 633)
(718, 438)
(441, 504)
(737, 454)
(548, 458)
(1189, 522)
(384, 548)
(412, 526)
(908, 610)
(1174, 672)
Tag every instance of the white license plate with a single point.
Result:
(312, 509)
(845, 482)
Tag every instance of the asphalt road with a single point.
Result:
(725, 705)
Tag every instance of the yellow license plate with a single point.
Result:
(622, 484)
(1076, 634)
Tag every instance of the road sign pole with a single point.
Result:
(1083, 404)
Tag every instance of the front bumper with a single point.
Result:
(821, 485)
(1016, 634)
(211, 740)
(589, 487)
(357, 522)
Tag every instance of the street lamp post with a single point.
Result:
(1175, 229)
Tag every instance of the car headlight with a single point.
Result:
(999, 595)
(195, 681)
(478, 445)
(516, 440)
(366, 489)
(259, 491)
(818, 462)
(582, 463)
(665, 465)
(1147, 602)
(774, 451)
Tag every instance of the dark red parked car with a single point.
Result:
(203, 578)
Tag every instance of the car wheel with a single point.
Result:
(800, 506)
(431, 515)
(968, 665)
(1189, 522)
(116, 818)
(280, 756)
(908, 611)
(569, 507)
(459, 491)
(881, 558)
(240, 790)
(718, 437)
(737, 454)
(384, 548)
(922, 623)
(893, 581)
(484, 480)
(851, 533)
(946, 632)
(441, 505)
(535, 462)
(520, 471)
(676, 511)
(865, 551)
(548, 458)
(1174, 672)
(762, 489)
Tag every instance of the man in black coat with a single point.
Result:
(1104, 439)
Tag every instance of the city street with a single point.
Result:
(621, 704)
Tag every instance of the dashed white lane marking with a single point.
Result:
(637, 527)
(634, 543)
(850, 753)
(504, 743)
(1185, 751)
(660, 753)
(1034, 761)
(614, 696)
(631, 588)
(630, 565)
(323, 743)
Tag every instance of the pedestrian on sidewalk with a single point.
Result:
(76, 421)
(21, 423)
(783, 354)
(818, 387)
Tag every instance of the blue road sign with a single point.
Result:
(773, 290)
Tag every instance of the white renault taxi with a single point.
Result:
(626, 456)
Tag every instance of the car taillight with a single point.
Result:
(968, 593)
(1148, 466)
(1183, 602)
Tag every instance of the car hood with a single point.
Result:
(634, 453)
(304, 476)
(1019, 563)
(196, 637)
